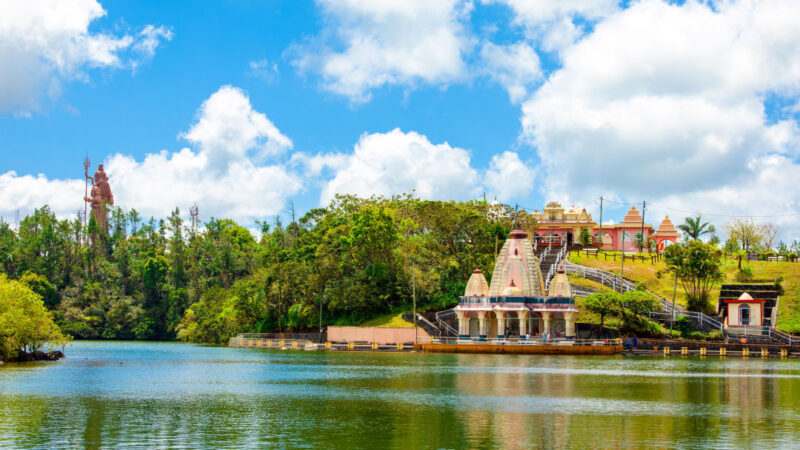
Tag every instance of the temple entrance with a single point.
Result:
(512, 324)
(558, 326)
(567, 237)
(474, 328)
(491, 326)
(744, 315)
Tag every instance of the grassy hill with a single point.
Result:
(656, 278)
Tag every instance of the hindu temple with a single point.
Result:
(516, 305)
(558, 226)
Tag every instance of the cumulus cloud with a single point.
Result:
(223, 174)
(397, 162)
(48, 42)
(24, 192)
(516, 67)
(666, 102)
(556, 24)
(228, 128)
(508, 177)
(367, 44)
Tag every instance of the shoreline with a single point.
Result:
(34, 356)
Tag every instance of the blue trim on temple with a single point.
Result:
(463, 336)
(482, 337)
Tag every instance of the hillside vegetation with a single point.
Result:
(656, 279)
(355, 260)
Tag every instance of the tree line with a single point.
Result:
(165, 279)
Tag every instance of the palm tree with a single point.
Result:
(693, 229)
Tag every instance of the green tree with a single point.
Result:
(698, 267)
(25, 324)
(694, 228)
(585, 237)
(639, 241)
(603, 303)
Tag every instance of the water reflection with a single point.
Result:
(113, 394)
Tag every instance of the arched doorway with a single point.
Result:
(744, 315)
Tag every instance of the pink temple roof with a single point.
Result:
(633, 216)
(666, 227)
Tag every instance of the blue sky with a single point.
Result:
(692, 106)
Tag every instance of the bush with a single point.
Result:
(696, 336)
(716, 336)
(683, 326)
(674, 334)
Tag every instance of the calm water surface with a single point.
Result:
(117, 394)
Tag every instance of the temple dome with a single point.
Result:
(517, 263)
(560, 286)
(477, 285)
(512, 291)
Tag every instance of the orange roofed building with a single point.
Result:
(559, 226)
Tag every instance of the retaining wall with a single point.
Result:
(378, 335)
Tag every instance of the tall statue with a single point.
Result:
(99, 197)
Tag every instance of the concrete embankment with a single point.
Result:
(512, 349)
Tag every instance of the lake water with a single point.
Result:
(179, 395)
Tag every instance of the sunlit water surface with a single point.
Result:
(113, 394)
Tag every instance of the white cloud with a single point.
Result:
(552, 23)
(397, 162)
(221, 175)
(666, 102)
(150, 38)
(162, 181)
(48, 42)
(516, 67)
(23, 193)
(389, 42)
(228, 128)
(264, 69)
(508, 177)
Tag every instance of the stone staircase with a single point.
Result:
(424, 323)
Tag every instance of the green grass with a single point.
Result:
(388, 320)
(584, 282)
(657, 280)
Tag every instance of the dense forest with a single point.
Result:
(166, 279)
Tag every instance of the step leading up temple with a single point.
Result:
(516, 304)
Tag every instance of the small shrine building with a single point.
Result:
(515, 304)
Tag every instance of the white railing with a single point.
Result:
(442, 317)
(554, 267)
(608, 279)
(703, 321)
(783, 337)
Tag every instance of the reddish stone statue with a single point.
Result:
(100, 196)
